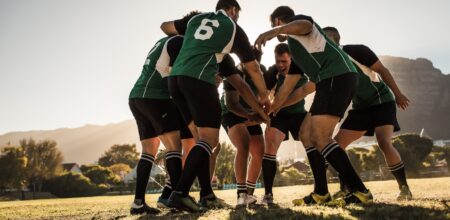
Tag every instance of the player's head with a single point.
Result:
(282, 57)
(232, 8)
(333, 34)
(191, 14)
(281, 15)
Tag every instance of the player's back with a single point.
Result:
(208, 37)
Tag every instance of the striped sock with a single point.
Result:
(269, 168)
(319, 170)
(398, 171)
(167, 190)
(143, 170)
(250, 187)
(337, 157)
(194, 166)
(241, 188)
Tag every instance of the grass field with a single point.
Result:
(432, 201)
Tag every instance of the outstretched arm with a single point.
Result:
(246, 93)
(299, 94)
(284, 91)
(297, 27)
(401, 100)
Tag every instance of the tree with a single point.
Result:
(225, 164)
(99, 175)
(13, 163)
(124, 153)
(120, 170)
(73, 185)
(44, 161)
(413, 150)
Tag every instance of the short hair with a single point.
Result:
(227, 4)
(257, 53)
(191, 14)
(329, 28)
(282, 48)
(284, 13)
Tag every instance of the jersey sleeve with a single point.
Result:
(270, 77)
(362, 54)
(241, 46)
(173, 48)
(294, 69)
(227, 67)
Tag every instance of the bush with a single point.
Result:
(74, 185)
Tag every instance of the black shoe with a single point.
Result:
(143, 208)
(212, 202)
(176, 200)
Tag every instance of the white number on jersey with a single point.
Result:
(205, 32)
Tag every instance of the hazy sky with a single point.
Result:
(66, 63)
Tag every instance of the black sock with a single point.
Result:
(398, 171)
(269, 168)
(174, 168)
(337, 157)
(250, 187)
(167, 190)
(342, 185)
(319, 170)
(241, 188)
(204, 178)
(197, 156)
(143, 173)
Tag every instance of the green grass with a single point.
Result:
(432, 201)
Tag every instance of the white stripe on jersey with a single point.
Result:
(229, 46)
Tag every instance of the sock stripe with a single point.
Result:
(168, 185)
(151, 159)
(173, 156)
(148, 156)
(329, 148)
(205, 146)
(269, 157)
(310, 149)
(251, 185)
(397, 167)
(173, 153)
(241, 186)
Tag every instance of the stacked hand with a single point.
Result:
(402, 101)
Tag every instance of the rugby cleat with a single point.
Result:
(211, 202)
(405, 194)
(143, 208)
(312, 199)
(187, 203)
(353, 198)
(267, 199)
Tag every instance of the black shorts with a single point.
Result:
(288, 123)
(333, 95)
(197, 101)
(229, 120)
(155, 117)
(370, 118)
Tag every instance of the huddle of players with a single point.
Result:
(176, 101)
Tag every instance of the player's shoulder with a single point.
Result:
(356, 47)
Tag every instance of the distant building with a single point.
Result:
(156, 170)
(71, 167)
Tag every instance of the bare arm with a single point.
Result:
(298, 27)
(246, 93)
(299, 94)
(284, 91)
(256, 75)
(232, 103)
(168, 28)
(401, 100)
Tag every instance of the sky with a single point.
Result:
(67, 63)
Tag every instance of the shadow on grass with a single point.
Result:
(374, 211)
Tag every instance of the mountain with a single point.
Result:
(429, 92)
(426, 86)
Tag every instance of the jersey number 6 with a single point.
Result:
(205, 32)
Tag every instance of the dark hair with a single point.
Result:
(257, 53)
(191, 14)
(282, 48)
(284, 13)
(330, 29)
(227, 4)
